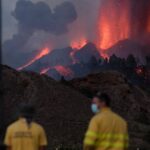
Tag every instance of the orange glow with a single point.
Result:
(76, 46)
(104, 55)
(64, 71)
(44, 52)
(79, 43)
(139, 70)
(148, 28)
(45, 70)
(113, 23)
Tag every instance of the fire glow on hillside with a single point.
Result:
(76, 46)
(62, 70)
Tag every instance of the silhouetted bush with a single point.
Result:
(147, 137)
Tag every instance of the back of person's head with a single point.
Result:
(104, 97)
(27, 111)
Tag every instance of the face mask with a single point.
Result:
(94, 108)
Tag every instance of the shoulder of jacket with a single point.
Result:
(11, 126)
(121, 118)
(38, 126)
(97, 117)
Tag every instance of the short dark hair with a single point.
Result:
(104, 97)
(27, 111)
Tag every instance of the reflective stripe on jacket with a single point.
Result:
(107, 131)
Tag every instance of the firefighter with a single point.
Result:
(25, 134)
(107, 130)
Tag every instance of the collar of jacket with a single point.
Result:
(22, 119)
(105, 109)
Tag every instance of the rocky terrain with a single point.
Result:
(64, 107)
(63, 112)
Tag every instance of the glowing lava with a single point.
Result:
(113, 22)
(44, 52)
(45, 70)
(121, 19)
(76, 46)
(62, 70)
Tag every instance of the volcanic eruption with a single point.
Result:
(121, 25)
(120, 20)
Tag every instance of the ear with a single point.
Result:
(103, 103)
(99, 103)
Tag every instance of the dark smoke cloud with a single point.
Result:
(40, 17)
(140, 12)
(34, 17)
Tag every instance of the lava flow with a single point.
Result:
(44, 52)
(45, 70)
(62, 70)
(76, 46)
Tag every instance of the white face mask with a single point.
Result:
(94, 108)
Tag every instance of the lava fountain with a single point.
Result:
(120, 20)
(113, 24)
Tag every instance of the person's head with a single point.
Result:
(27, 111)
(100, 100)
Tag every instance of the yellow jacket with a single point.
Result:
(107, 131)
(20, 136)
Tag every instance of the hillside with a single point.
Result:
(64, 108)
(63, 112)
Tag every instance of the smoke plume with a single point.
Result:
(34, 17)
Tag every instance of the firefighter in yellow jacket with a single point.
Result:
(107, 130)
(25, 134)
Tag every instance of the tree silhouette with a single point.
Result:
(100, 61)
(117, 62)
(93, 62)
(113, 61)
(106, 61)
(147, 61)
(131, 62)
